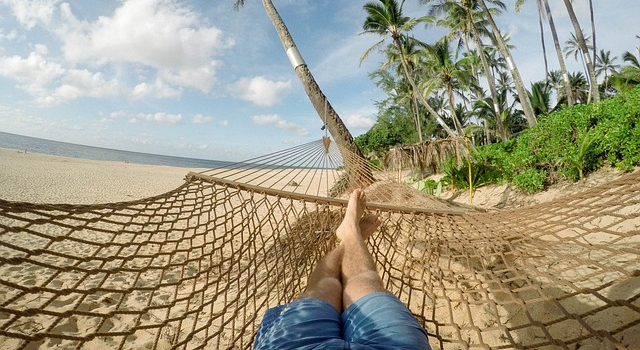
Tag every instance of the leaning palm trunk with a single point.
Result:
(492, 84)
(525, 101)
(563, 68)
(319, 101)
(593, 31)
(594, 94)
(416, 92)
(544, 46)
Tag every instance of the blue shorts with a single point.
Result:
(375, 321)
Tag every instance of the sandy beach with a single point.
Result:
(40, 178)
(37, 178)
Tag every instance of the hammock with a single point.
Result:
(197, 267)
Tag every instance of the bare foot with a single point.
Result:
(353, 214)
(368, 225)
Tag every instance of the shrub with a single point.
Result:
(530, 180)
(569, 143)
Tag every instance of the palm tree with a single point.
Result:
(512, 117)
(519, 4)
(447, 73)
(413, 57)
(593, 30)
(563, 67)
(572, 48)
(605, 64)
(629, 76)
(593, 86)
(541, 97)
(579, 87)
(386, 19)
(504, 50)
(466, 18)
(325, 111)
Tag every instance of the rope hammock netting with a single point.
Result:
(198, 266)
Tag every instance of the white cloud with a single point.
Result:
(31, 12)
(201, 119)
(223, 123)
(34, 72)
(260, 90)
(358, 121)
(158, 33)
(156, 90)
(82, 83)
(160, 117)
(278, 122)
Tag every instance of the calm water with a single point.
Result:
(35, 145)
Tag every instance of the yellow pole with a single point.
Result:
(466, 140)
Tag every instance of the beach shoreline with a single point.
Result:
(43, 178)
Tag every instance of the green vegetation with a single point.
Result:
(565, 126)
(570, 143)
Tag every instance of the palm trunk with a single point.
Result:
(593, 30)
(319, 101)
(525, 101)
(544, 47)
(452, 106)
(414, 105)
(492, 84)
(420, 96)
(593, 83)
(563, 68)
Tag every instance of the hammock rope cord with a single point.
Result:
(197, 267)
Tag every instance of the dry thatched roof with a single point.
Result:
(427, 155)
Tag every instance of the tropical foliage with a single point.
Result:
(467, 84)
(569, 143)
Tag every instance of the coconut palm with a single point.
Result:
(593, 30)
(606, 64)
(563, 67)
(512, 117)
(629, 76)
(504, 50)
(579, 87)
(386, 20)
(325, 111)
(572, 48)
(593, 83)
(519, 4)
(445, 72)
(541, 97)
(413, 56)
(467, 19)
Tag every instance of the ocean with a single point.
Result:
(70, 150)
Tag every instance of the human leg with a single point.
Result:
(359, 274)
(325, 281)
(313, 319)
(371, 316)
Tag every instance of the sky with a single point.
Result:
(194, 78)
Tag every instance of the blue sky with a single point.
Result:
(194, 78)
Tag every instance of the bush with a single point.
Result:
(530, 180)
(570, 143)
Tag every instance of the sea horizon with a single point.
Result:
(71, 150)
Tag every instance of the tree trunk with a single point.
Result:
(593, 83)
(492, 85)
(525, 101)
(593, 31)
(452, 106)
(413, 104)
(544, 47)
(319, 101)
(563, 68)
